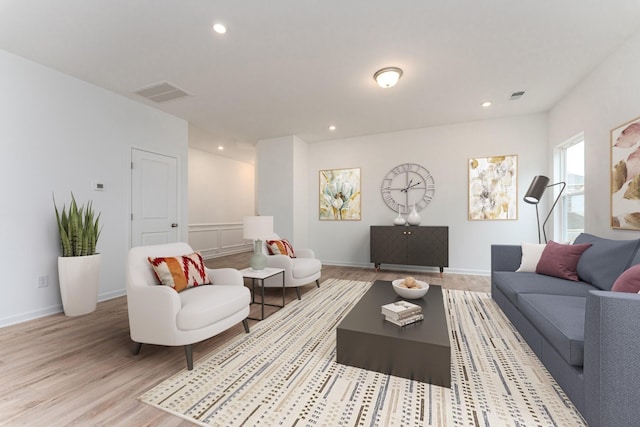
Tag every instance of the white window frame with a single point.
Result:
(560, 217)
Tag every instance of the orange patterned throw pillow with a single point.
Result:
(280, 247)
(180, 272)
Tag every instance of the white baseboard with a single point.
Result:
(414, 268)
(54, 309)
(111, 295)
(31, 315)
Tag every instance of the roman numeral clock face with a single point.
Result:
(408, 184)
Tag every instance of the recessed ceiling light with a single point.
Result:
(486, 104)
(219, 28)
(220, 147)
(332, 128)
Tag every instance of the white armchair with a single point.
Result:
(299, 271)
(160, 315)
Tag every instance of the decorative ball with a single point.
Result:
(417, 291)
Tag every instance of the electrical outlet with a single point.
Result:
(43, 281)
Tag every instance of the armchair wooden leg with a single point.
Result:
(318, 282)
(136, 348)
(298, 292)
(245, 323)
(188, 351)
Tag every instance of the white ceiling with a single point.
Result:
(296, 66)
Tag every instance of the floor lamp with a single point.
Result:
(534, 194)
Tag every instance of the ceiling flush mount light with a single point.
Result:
(387, 77)
(219, 28)
(332, 128)
(220, 147)
(486, 104)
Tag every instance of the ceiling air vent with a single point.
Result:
(161, 92)
(516, 95)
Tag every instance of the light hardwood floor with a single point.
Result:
(60, 371)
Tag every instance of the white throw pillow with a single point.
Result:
(531, 253)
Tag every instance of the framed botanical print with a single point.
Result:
(340, 195)
(625, 176)
(493, 188)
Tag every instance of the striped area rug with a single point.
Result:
(284, 373)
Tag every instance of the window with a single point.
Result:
(571, 204)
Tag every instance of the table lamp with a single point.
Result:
(258, 228)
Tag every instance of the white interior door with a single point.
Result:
(154, 198)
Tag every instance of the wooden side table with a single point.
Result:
(260, 276)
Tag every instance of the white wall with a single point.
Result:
(275, 183)
(301, 199)
(59, 134)
(604, 100)
(444, 151)
(221, 193)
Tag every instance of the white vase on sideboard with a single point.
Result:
(414, 217)
(399, 220)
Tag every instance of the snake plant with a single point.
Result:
(79, 229)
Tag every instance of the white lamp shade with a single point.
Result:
(257, 227)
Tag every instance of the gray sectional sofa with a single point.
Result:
(587, 336)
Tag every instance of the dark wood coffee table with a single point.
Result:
(420, 351)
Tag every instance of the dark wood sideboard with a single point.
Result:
(410, 245)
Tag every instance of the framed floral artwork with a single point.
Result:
(493, 188)
(340, 195)
(625, 176)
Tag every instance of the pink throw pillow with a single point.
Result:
(629, 280)
(561, 260)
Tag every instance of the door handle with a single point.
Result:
(174, 225)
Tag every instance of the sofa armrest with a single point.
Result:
(225, 276)
(505, 257)
(152, 312)
(612, 358)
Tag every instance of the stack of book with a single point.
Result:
(402, 313)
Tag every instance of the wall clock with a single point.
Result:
(407, 185)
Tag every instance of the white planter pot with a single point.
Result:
(79, 278)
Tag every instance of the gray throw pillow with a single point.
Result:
(605, 260)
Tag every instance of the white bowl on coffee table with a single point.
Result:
(410, 293)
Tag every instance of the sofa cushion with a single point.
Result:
(559, 260)
(560, 319)
(205, 305)
(531, 253)
(512, 284)
(180, 272)
(605, 260)
(629, 281)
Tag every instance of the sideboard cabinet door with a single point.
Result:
(388, 244)
(428, 246)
